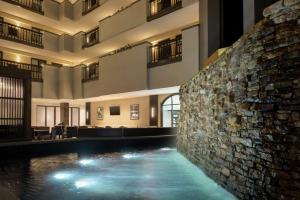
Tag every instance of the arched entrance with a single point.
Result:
(170, 109)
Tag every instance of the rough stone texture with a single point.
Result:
(240, 117)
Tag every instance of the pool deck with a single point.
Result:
(82, 145)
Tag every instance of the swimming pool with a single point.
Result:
(161, 174)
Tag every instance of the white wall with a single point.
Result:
(37, 90)
(123, 72)
(76, 83)
(65, 80)
(177, 73)
(50, 82)
(51, 41)
(51, 9)
(124, 20)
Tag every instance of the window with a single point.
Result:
(74, 116)
(89, 5)
(38, 62)
(36, 68)
(36, 35)
(91, 38)
(12, 31)
(170, 110)
(47, 116)
(166, 51)
(134, 112)
(159, 8)
(90, 72)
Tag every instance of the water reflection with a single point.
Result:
(160, 174)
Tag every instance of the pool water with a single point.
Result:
(161, 174)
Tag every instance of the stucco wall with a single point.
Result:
(50, 82)
(124, 20)
(65, 80)
(175, 74)
(122, 72)
(240, 117)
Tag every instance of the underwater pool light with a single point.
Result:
(130, 155)
(62, 175)
(166, 149)
(83, 183)
(85, 162)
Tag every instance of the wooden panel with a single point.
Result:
(15, 104)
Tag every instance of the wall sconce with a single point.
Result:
(152, 112)
(87, 115)
(18, 58)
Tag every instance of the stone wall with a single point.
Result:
(240, 117)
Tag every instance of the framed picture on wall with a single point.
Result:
(100, 113)
(134, 112)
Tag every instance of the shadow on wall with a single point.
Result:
(240, 117)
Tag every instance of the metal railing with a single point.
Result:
(90, 38)
(36, 71)
(159, 8)
(167, 51)
(89, 5)
(33, 5)
(90, 72)
(22, 35)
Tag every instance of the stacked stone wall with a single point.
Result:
(240, 117)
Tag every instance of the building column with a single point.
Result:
(64, 113)
(209, 30)
(88, 113)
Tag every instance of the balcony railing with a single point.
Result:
(90, 72)
(165, 52)
(32, 5)
(90, 38)
(36, 71)
(22, 35)
(89, 5)
(159, 8)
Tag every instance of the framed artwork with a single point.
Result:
(100, 113)
(134, 112)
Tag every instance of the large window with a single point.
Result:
(74, 116)
(170, 109)
(47, 116)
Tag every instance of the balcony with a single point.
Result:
(90, 73)
(166, 52)
(89, 5)
(22, 35)
(159, 8)
(36, 71)
(90, 38)
(32, 5)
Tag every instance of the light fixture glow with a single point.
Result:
(62, 176)
(18, 58)
(130, 155)
(165, 149)
(152, 112)
(85, 162)
(82, 183)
